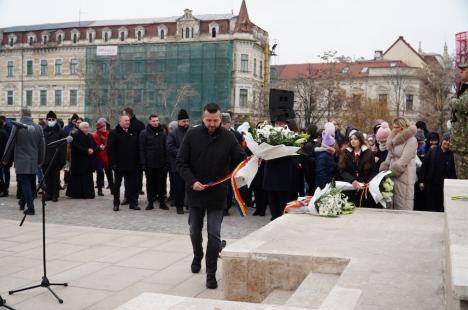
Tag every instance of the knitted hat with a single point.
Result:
(182, 115)
(446, 136)
(420, 135)
(383, 132)
(350, 131)
(51, 114)
(433, 136)
(377, 124)
(330, 128)
(327, 139)
(225, 118)
(101, 123)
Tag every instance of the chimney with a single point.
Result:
(378, 55)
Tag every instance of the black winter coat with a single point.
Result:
(174, 141)
(81, 161)
(136, 125)
(280, 174)
(122, 149)
(52, 134)
(205, 157)
(153, 147)
(356, 170)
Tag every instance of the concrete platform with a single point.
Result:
(373, 259)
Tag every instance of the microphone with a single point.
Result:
(20, 125)
(68, 139)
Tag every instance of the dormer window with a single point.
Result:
(106, 34)
(214, 29)
(75, 36)
(106, 37)
(123, 34)
(213, 32)
(31, 38)
(12, 41)
(139, 33)
(90, 34)
(162, 31)
(45, 39)
(162, 34)
(59, 37)
(187, 32)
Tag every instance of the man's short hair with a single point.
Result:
(128, 111)
(153, 115)
(25, 112)
(211, 107)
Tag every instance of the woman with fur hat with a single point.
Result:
(100, 137)
(402, 146)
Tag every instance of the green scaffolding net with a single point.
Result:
(158, 79)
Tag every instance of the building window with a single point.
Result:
(187, 32)
(58, 97)
(139, 36)
(45, 39)
(243, 93)
(138, 96)
(409, 102)
(106, 36)
(73, 66)
(31, 40)
(59, 39)
(213, 32)
(73, 97)
(58, 67)
(244, 63)
(255, 67)
(122, 36)
(75, 38)
(162, 34)
(383, 98)
(261, 70)
(12, 41)
(29, 68)
(10, 69)
(104, 68)
(90, 37)
(43, 97)
(29, 94)
(137, 66)
(10, 97)
(43, 67)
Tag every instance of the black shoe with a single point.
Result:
(99, 192)
(180, 210)
(55, 199)
(116, 208)
(162, 205)
(30, 211)
(134, 207)
(196, 264)
(125, 202)
(226, 212)
(150, 206)
(258, 213)
(211, 282)
(4, 194)
(21, 205)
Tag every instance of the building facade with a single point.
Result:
(156, 65)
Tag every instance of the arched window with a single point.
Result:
(162, 34)
(75, 38)
(12, 41)
(106, 37)
(187, 32)
(31, 40)
(213, 32)
(90, 37)
(122, 36)
(139, 35)
(59, 39)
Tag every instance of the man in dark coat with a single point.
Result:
(53, 132)
(83, 150)
(29, 150)
(3, 142)
(122, 148)
(153, 161)
(5, 130)
(137, 127)
(207, 153)
(438, 165)
(174, 141)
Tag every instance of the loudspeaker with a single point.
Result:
(281, 104)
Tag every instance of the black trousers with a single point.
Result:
(214, 221)
(155, 184)
(27, 186)
(171, 183)
(277, 201)
(179, 194)
(131, 187)
(100, 178)
(261, 200)
(52, 181)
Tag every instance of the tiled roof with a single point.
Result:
(353, 69)
(101, 23)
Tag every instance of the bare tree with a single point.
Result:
(183, 93)
(398, 82)
(436, 89)
(359, 111)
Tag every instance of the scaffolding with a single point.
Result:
(158, 79)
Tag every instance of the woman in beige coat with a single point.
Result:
(402, 146)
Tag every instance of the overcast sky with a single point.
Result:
(302, 28)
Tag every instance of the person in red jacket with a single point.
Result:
(100, 137)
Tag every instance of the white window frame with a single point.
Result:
(142, 30)
(123, 30)
(55, 97)
(46, 98)
(26, 97)
(164, 28)
(216, 27)
(59, 34)
(109, 34)
(46, 70)
(12, 97)
(91, 32)
(56, 62)
(69, 97)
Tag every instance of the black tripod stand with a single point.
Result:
(45, 281)
(3, 304)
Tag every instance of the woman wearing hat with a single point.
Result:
(401, 160)
(100, 137)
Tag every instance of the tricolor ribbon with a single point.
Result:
(235, 189)
(364, 192)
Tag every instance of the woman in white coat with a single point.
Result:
(402, 146)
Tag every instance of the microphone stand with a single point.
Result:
(45, 281)
(3, 304)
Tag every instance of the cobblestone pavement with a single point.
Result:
(98, 213)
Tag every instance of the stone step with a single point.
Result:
(313, 290)
(278, 297)
(341, 299)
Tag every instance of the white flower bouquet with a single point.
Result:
(330, 202)
(278, 136)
